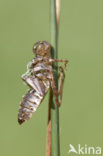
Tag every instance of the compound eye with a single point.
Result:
(40, 46)
(34, 48)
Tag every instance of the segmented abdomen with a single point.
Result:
(33, 98)
(29, 105)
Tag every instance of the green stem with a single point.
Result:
(55, 141)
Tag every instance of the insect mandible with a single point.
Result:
(39, 77)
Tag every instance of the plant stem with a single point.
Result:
(55, 142)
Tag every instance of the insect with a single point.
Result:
(39, 77)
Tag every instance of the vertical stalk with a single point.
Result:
(55, 142)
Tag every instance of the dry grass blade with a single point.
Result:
(57, 11)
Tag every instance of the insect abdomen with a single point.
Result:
(33, 98)
(29, 105)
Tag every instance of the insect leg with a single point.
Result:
(55, 91)
(61, 82)
(58, 93)
(59, 60)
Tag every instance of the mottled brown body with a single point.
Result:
(39, 77)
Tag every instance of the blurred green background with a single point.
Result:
(22, 23)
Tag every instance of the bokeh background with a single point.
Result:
(22, 23)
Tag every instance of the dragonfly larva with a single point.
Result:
(40, 78)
